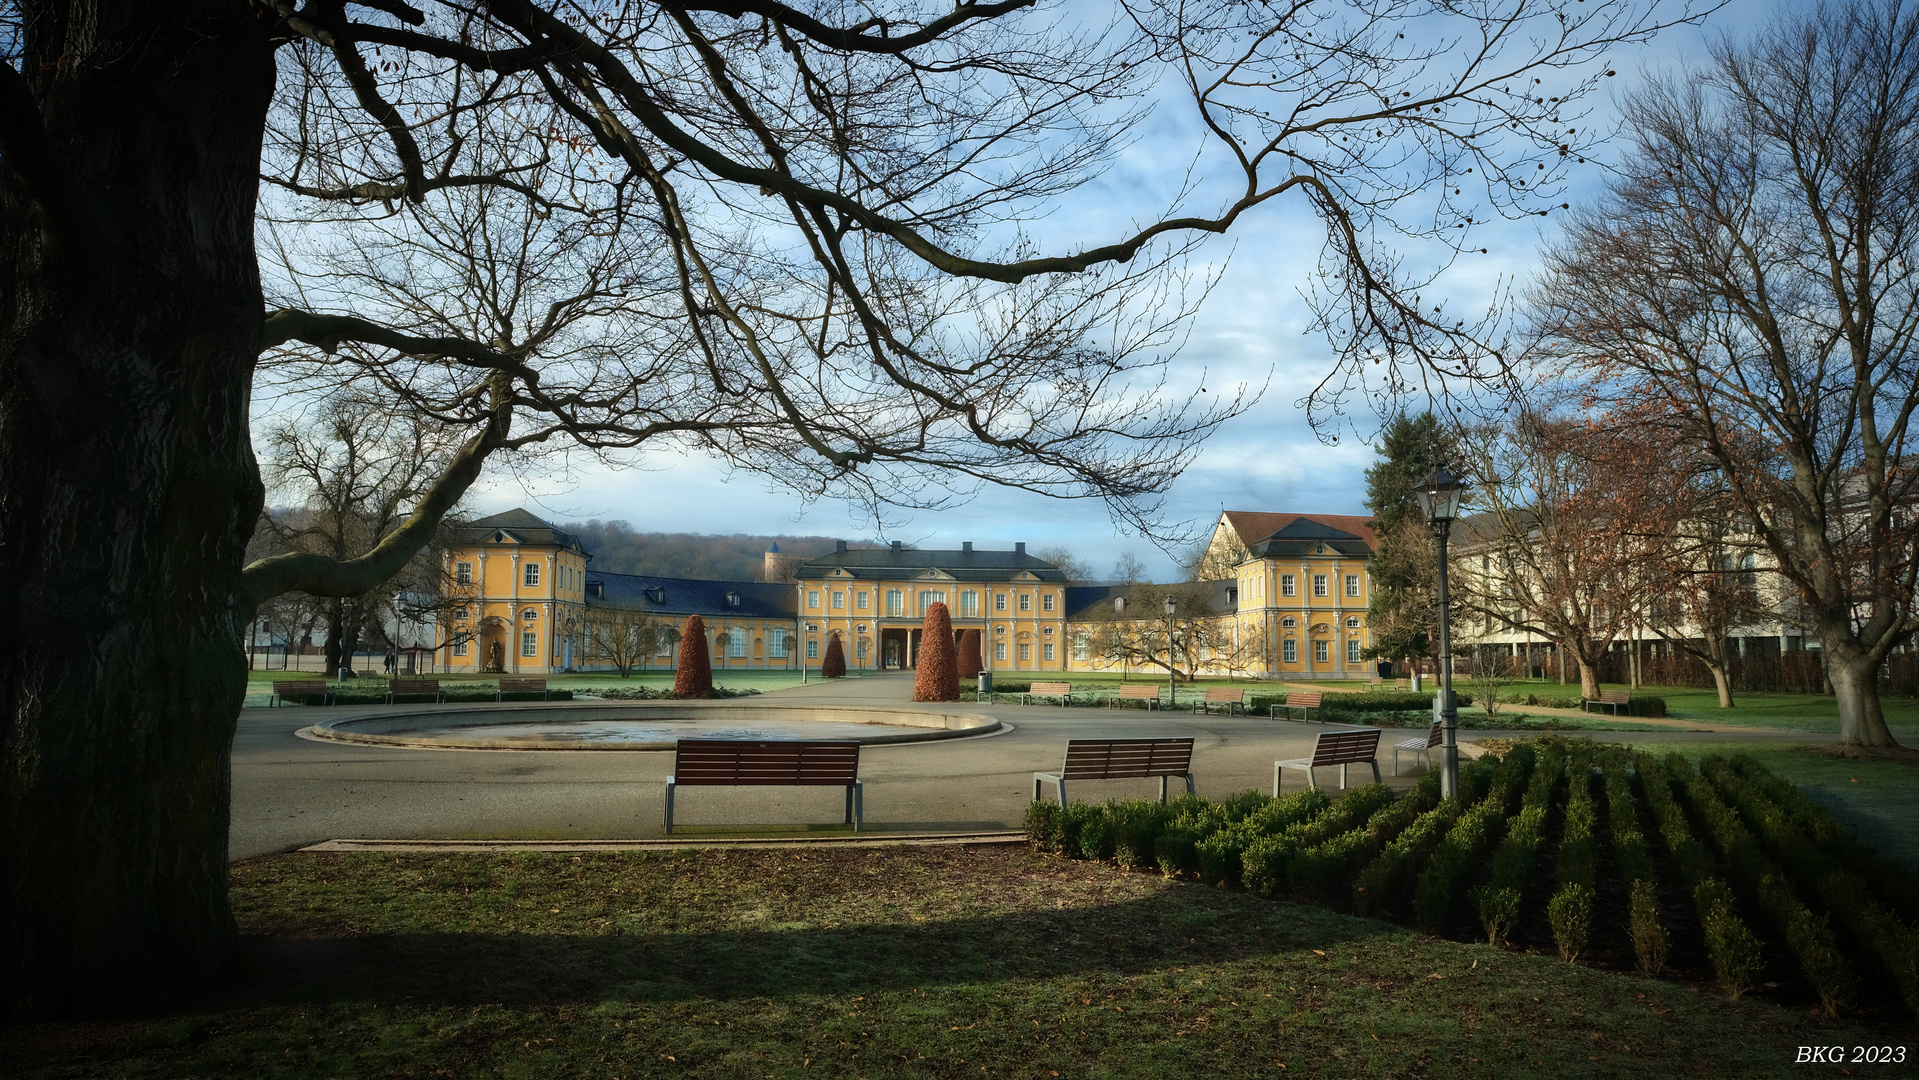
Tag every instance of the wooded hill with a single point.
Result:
(617, 548)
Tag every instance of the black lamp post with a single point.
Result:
(1172, 687)
(1439, 496)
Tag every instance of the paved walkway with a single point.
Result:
(290, 792)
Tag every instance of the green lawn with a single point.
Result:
(924, 962)
(1877, 800)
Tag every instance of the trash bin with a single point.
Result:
(985, 683)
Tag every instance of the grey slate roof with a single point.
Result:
(691, 596)
(521, 525)
(1087, 601)
(1305, 534)
(906, 563)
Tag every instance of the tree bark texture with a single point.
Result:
(130, 319)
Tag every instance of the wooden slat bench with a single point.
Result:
(1115, 759)
(1422, 747)
(286, 689)
(1234, 700)
(414, 686)
(1341, 748)
(1305, 701)
(1062, 691)
(1616, 699)
(1136, 692)
(782, 763)
(522, 686)
(1399, 684)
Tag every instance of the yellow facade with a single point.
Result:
(876, 601)
(515, 585)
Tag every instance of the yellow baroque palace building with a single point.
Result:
(1290, 594)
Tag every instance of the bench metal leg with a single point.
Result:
(855, 796)
(1375, 764)
(1189, 785)
(1342, 776)
(669, 806)
(1059, 783)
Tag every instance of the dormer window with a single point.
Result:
(1119, 604)
(656, 595)
(732, 599)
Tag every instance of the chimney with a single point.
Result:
(1019, 548)
(896, 547)
(839, 545)
(966, 545)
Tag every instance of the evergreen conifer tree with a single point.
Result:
(1404, 610)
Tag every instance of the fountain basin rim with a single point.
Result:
(389, 728)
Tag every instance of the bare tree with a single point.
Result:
(1750, 274)
(626, 638)
(1203, 631)
(738, 228)
(1062, 557)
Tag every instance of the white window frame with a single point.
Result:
(812, 598)
(839, 599)
(1321, 652)
(1082, 647)
(1046, 651)
(530, 577)
(1352, 650)
(460, 647)
(463, 573)
(969, 605)
(859, 649)
(530, 643)
(1026, 601)
(999, 604)
(1287, 586)
(812, 650)
(1046, 602)
(776, 643)
(859, 600)
(1025, 653)
(1289, 651)
(1352, 584)
(1321, 586)
(895, 603)
(999, 651)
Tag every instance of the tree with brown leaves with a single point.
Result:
(937, 676)
(694, 677)
(972, 660)
(833, 665)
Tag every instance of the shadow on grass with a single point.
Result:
(1178, 925)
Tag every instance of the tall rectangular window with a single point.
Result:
(1081, 647)
(999, 604)
(812, 598)
(1286, 585)
(895, 602)
(999, 650)
(839, 600)
(1352, 584)
(1352, 650)
(1025, 653)
(859, 650)
(463, 573)
(736, 643)
(530, 643)
(1026, 601)
(776, 643)
(812, 650)
(929, 597)
(1289, 651)
(969, 605)
(532, 574)
(859, 600)
(461, 648)
(1046, 651)
(1319, 652)
(1046, 602)
(1319, 584)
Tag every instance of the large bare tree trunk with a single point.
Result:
(1721, 681)
(127, 493)
(1854, 679)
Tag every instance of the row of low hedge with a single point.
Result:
(1648, 705)
(1743, 844)
(656, 693)
(378, 697)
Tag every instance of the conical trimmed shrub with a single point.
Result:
(971, 660)
(938, 676)
(833, 665)
(694, 677)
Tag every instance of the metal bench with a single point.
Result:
(1304, 700)
(1234, 700)
(1342, 748)
(1422, 747)
(522, 686)
(1060, 690)
(1618, 699)
(414, 686)
(783, 763)
(1116, 759)
(284, 689)
(1136, 692)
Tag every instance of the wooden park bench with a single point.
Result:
(395, 687)
(288, 689)
(1304, 700)
(1136, 692)
(1617, 699)
(1062, 691)
(1115, 759)
(782, 763)
(1376, 683)
(1222, 695)
(522, 686)
(1341, 748)
(1399, 684)
(1422, 747)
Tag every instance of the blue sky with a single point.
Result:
(1253, 323)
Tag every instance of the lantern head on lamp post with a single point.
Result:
(1439, 498)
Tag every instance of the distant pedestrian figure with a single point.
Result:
(392, 660)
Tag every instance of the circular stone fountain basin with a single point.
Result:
(631, 725)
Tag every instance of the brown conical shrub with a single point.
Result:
(938, 677)
(971, 660)
(833, 665)
(694, 678)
